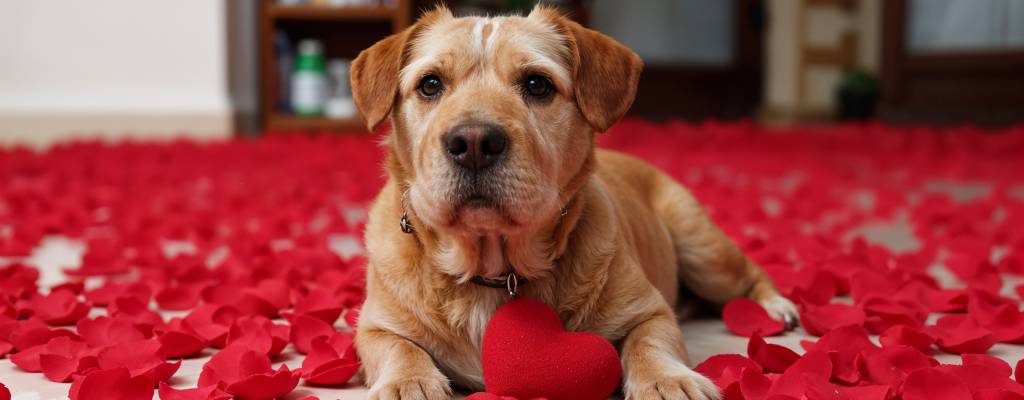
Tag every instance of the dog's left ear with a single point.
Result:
(605, 73)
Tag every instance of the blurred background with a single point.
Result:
(206, 68)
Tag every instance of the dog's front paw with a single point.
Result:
(411, 389)
(678, 385)
(781, 308)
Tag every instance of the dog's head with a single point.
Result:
(493, 118)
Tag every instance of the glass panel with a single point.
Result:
(670, 31)
(1016, 25)
(964, 26)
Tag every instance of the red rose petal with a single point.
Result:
(267, 386)
(61, 307)
(1018, 372)
(931, 384)
(103, 331)
(178, 298)
(143, 357)
(869, 392)
(715, 366)
(981, 378)
(997, 394)
(5, 348)
(819, 291)
(321, 304)
(848, 342)
(233, 364)
(335, 372)
(904, 335)
(60, 358)
(812, 368)
(34, 332)
(136, 311)
(110, 291)
(774, 358)
(818, 321)
(112, 384)
(325, 366)
(5, 394)
(212, 323)
(754, 385)
(28, 359)
(744, 317)
(907, 359)
(260, 334)
(844, 373)
(178, 344)
(305, 328)
(995, 364)
(962, 336)
(202, 393)
(57, 368)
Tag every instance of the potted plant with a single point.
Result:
(857, 96)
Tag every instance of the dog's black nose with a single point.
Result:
(476, 146)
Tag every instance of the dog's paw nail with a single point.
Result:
(782, 309)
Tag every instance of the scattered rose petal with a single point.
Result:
(260, 334)
(143, 357)
(818, 321)
(744, 317)
(326, 365)
(320, 304)
(103, 331)
(305, 328)
(904, 335)
(112, 384)
(956, 334)
(166, 392)
(930, 384)
(60, 307)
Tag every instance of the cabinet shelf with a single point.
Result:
(281, 122)
(343, 30)
(339, 13)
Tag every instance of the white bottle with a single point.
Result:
(340, 104)
(309, 80)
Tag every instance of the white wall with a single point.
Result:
(112, 67)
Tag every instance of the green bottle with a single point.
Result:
(309, 80)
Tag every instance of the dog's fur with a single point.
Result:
(604, 239)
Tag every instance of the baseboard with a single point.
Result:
(786, 116)
(41, 130)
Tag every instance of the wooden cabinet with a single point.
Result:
(344, 32)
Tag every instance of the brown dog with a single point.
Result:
(492, 162)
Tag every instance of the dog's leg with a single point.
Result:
(654, 363)
(397, 369)
(710, 263)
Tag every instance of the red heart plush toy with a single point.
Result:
(528, 354)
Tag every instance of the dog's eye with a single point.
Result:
(537, 86)
(430, 86)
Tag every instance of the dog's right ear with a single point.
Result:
(374, 73)
(374, 78)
